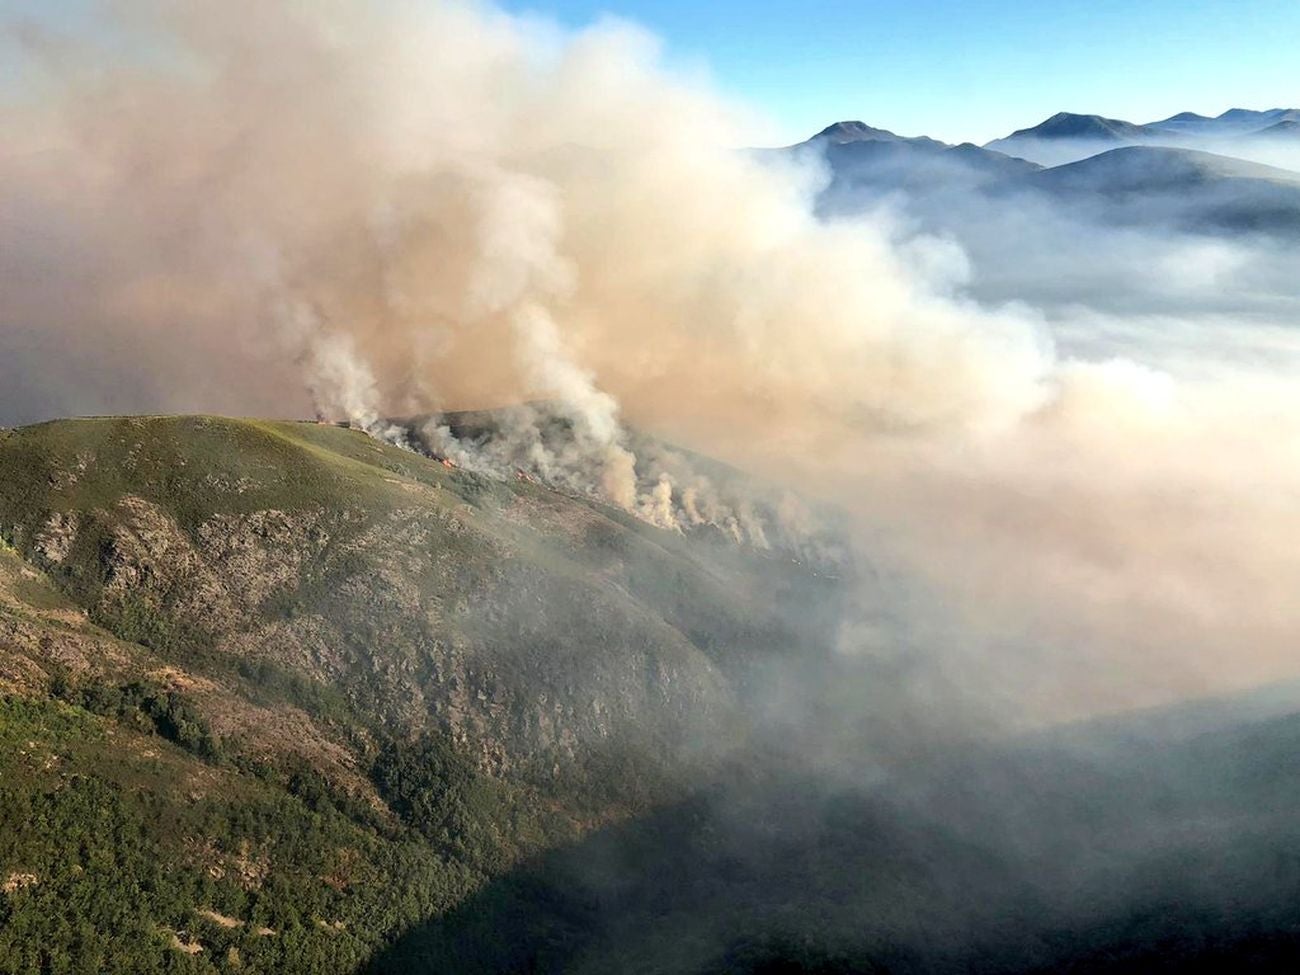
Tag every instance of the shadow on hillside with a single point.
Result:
(712, 884)
(1171, 857)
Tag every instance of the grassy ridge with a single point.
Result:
(284, 676)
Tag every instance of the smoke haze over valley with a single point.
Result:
(958, 486)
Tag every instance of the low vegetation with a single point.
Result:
(274, 694)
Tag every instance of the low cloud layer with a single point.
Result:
(377, 211)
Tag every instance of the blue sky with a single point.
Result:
(958, 70)
(973, 69)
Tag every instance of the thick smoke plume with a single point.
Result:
(378, 210)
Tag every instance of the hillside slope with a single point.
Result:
(275, 697)
(1181, 188)
(305, 689)
(1086, 851)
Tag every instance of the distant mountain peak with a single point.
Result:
(853, 131)
(1069, 125)
(849, 133)
(1240, 117)
(1245, 114)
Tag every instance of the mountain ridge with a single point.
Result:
(1066, 137)
(1069, 125)
(314, 633)
(1190, 189)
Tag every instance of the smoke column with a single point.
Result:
(378, 210)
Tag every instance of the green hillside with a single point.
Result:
(275, 697)
(274, 692)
